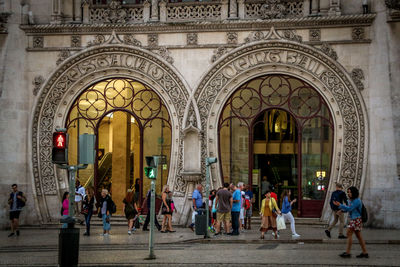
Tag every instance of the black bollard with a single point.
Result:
(68, 247)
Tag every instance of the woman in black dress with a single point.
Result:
(130, 209)
(166, 210)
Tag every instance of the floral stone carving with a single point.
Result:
(272, 9)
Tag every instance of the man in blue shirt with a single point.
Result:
(237, 203)
(197, 198)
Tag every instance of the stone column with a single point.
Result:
(56, 16)
(78, 11)
(120, 157)
(306, 8)
(163, 11)
(324, 7)
(334, 8)
(314, 7)
(233, 9)
(242, 9)
(86, 12)
(154, 10)
(224, 9)
(146, 11)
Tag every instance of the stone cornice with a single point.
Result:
(239, 25)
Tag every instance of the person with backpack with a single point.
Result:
(355, 225)
(339, 196)
(106, 208)
(248, 207)
(130, 209)
(16, 201)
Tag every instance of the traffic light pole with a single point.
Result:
(152, 217)
(209, 161)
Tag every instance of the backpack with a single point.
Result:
(113, 207)
(247, 204)
(364, 213)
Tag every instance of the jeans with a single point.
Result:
(146, 222)
(87, 220)
(289, 217)
(106, 225)
(235, 222)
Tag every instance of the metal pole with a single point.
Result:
(71, 208)
(207, 233)
(152, 216)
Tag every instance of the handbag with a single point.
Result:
(85, 211)
(280, 223)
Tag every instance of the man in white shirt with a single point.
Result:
(80, 193)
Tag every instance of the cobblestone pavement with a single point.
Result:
(39, 247)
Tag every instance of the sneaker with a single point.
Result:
(328, 233)
(10, 235)
(106, 234)
(17, 232)
(295, 236)
(342, 237)
(362, 255)
(129, 232)
(345, 255)
(133, 229)
(273, 234)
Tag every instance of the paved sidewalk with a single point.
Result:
(119, 236)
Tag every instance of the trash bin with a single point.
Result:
(68, 247)
(201, 222)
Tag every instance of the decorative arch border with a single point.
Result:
(327, 76)
(74, 76)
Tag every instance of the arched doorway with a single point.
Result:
(130, 121)
(279, 127)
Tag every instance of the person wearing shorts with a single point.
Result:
(224, 202)
(16, 201)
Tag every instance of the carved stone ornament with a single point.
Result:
(37, 83)
(301, 61)
(78, 72)
(114, 39)
(115, 13)
(76, 41)
(38, 41)
(273, 35)
(358, 34)
(191, 38)
(328, 50)
(232, 37)
(152, 40)
(164, 53)
(315, 35)
(219, 52)
(273, 9)
(358, 75)
(63, 55)
(393, 4)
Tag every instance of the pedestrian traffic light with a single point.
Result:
(59, 154)
(152, 166)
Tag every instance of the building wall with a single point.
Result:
(376, 52)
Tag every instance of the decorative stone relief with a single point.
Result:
(393, 4)
(78, 69)
(272, 35)
(114, 39)
(315, 35)
(152, 40)
(76, 41)
(37, 83)
(219, 52)
(191, 38)
(328, 50)
(358, 34)
(63, 55)
(232, 37)
(272, 9)
(358, 75)
(38, 41)
(115, 13)
(164, 53)
(316, 65)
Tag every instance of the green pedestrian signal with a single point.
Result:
(150, 172)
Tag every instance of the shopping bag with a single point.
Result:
(280, 222)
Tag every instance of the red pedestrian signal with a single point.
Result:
(59, 153)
